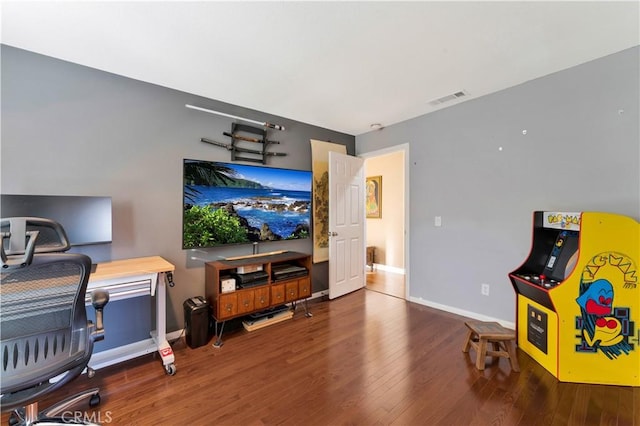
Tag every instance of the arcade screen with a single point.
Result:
(561, 260)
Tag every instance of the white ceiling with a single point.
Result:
(338, 65)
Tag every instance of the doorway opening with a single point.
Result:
(386, 231)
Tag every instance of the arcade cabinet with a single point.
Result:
(578, 297)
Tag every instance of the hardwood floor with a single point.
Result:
(386, 282)
(363, 359)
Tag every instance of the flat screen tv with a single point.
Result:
(228, 203)
(85, 219)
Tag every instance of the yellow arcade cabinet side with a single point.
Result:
(578, 301)
(599, 304)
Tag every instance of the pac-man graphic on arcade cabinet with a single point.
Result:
(593, 307)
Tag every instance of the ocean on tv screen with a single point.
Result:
(233, 204)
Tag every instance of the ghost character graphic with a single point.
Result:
(597, 299)
(603, 327)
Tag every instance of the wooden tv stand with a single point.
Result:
(236, 302)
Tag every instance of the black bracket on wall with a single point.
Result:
(242, 134)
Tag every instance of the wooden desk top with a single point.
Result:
(129, 267)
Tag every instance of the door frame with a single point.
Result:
(407, 240)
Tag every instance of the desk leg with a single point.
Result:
(160, 334)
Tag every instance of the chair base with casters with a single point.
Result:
(56, 413)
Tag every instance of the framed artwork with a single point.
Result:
(374, 197)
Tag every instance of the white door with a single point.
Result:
(346, 224)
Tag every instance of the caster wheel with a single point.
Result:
(170, 369)
(95, 400)
(14, 419)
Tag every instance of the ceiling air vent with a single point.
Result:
(448, 98)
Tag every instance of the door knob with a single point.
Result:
(333, 234)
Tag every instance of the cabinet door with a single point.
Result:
(291, 289)
(304, 288)
(245, 301)
(228, 306)
(262, 298)
(277, 294)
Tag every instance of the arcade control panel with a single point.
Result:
(539, 280)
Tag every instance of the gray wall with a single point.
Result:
(73, 130)
(581, 152)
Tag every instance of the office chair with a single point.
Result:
(45, 337)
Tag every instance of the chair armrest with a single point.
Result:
(99, 298)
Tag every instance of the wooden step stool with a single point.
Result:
(482, 333)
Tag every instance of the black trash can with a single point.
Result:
(196, 321)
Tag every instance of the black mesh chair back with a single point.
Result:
(44, 331)
(45, 338)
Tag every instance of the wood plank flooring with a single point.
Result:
(363, 359)
(386, 282)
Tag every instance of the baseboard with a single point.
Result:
(446, 308)
(387, 268)
(318, 294)
(462, 312)
(175, 335)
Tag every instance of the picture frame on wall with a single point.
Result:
(373, 207)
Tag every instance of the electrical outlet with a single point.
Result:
(484, 289)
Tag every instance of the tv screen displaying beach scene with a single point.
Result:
(228, 203)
